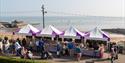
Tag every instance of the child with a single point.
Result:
(29, 55)
(23, 52)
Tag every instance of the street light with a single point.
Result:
(43, 12)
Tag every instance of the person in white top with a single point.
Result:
(29, 55)
(17, 48)
(5, 45)
(37, 45)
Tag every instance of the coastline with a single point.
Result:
(116, 31)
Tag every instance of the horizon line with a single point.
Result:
(67, 16)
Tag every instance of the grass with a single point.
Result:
(4, 59)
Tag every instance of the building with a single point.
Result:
(5, 24)
(17, 24)
(2, 26)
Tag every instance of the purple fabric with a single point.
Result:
(17, 30)
(38, 32)
(53, 33)
(106, 37)
(30, 31)
(33, 33)
(63, 33)
(87, 34)
(13, 33)
(77, 34)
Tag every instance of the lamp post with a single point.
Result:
(43, 12)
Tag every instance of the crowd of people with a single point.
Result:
(27, 48)
(16, 47)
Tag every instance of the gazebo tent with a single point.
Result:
(97, 34)
(50, 31)
(28, 30)
(72, 32)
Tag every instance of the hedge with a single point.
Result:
(18, 60)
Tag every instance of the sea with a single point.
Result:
(83, 23)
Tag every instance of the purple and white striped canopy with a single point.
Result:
(72, 32)
(50, 31)
(29, 30)
(97, 34)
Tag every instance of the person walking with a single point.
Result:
(114, 52)
(58, 49)
(37, 45)
(70, 46)
(78, 52)
(101, 49)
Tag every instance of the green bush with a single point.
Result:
(16, 60)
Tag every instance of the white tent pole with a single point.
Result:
(33, 39)
(57, 37)
(85, 42)
(82, 40)
(73, 39)
(62, 39)
(52, 38)
(108, 48)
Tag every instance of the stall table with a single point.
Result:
(91, 53)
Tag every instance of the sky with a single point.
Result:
(115, 8)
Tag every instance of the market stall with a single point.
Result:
(28, 30)
(93, 38)
(97, 34)
(50, 31)
(51, 34)
(72, 33)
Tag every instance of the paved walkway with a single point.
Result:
(69, 60)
